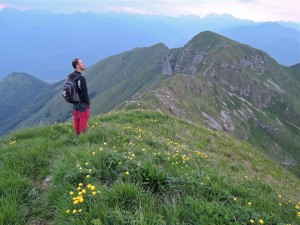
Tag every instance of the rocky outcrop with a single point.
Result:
(168, 65)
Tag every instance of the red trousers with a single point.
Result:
(81, 120)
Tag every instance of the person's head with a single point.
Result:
(78, 65)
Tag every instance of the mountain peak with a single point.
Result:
(206, 39)
(19, 77)
(209, 48)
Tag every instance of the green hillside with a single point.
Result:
(140, 167)
(18, 90)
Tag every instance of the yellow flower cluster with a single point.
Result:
(200, 154)
(128, 127)
(12, 142)
(81, 194)
(298, 208)
(151, 120)
(181, 155)
(259, 221)
(130, 156)
(85, 169)
(74, 211)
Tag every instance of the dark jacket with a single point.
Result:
(82, 89)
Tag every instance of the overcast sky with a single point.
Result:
(257, 10)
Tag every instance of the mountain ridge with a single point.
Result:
(257, 35)
(43, 43)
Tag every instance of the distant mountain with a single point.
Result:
(18, 91)
(211, 80)
(281, 43)
(44, 44)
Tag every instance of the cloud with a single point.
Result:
(258, 10)
(247, 0)
(2, 6)
(127, 9)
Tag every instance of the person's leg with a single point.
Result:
(84, 117)
(76, 119)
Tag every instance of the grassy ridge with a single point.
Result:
(140, 167)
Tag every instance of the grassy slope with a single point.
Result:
(140, 167)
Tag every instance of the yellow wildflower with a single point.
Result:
(74, 211)
(71, 193)
(80, 184)
(83, 191)
(92, 188)
(75, 202)
(261, 221)
(94, 192)
(87, 176)
(127, 173)
(252, 221)
(68, 211)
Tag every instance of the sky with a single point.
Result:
(256, 10)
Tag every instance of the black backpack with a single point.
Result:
(70, 91)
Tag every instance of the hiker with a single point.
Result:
(81, 110)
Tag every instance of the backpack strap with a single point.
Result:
(75, 78)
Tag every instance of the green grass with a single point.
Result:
(140, 167)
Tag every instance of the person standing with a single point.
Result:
(81, 110)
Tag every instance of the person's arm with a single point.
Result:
(84, 90)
